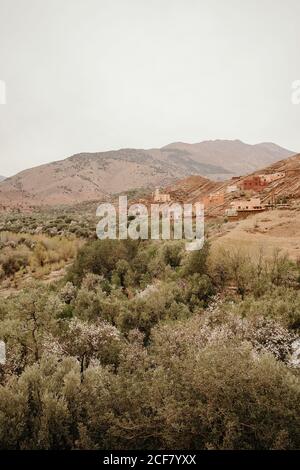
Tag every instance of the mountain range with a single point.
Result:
(96, 176)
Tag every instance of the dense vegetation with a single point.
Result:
(52, 221)
(144, 345)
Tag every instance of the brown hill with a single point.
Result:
(289, 186)
(191, 190)
(237, 157)
(96, 176)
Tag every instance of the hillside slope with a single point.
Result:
(195, 188)
(96, 176)
(289, 186)
(192, 189)
(237, 157)
(262, 234)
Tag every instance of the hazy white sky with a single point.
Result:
(94, 75)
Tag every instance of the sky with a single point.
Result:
(96, 75)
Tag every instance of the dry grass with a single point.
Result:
(24, 257)
(267, 232)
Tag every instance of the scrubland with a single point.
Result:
(143, 345)
(24, 257)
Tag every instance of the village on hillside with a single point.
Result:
(240, 197)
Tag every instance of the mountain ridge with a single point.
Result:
(98, 175)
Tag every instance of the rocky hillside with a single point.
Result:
(289, 186)
(193, 189)
(97, 176)
(237, 157)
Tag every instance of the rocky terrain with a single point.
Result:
(97, 176)
(287, 188)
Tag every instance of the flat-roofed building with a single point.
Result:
(161, 197)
